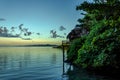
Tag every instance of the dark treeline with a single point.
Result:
(96, 46)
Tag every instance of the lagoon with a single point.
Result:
(30, 63)
(38, 63)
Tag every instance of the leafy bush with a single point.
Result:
(73, 49)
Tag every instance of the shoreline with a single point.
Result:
(39, 45)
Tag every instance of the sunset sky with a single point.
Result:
(39, 16)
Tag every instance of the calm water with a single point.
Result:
(37, 63)
(30, 63)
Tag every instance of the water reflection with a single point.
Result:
(41, 63)
(37, 63)
(74, 73)
(53, 59)
(13, 58)
(3, 61)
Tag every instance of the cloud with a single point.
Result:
(61, 28)
(26, 38)
(5, 32)
(55, 35)
(25, 34)
(2, 19)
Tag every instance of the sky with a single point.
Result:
(38, 16)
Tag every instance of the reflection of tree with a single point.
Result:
(24, 59)
(27, 58)
(13, 61)
(3, 61)
(54, 57)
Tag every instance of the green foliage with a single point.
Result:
(101, 47)
(73, 49)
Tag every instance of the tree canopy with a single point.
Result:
(101, 47)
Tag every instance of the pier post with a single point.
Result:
(63, 49)
(65, 44)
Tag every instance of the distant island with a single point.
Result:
(32, 45)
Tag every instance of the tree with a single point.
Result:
(77, 32)
(101, 46)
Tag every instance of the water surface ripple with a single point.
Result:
(30, 63)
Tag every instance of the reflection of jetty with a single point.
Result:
(65, 44)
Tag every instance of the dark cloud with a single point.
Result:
(60, 36)
(55, 35)
(20, 26)
(61, 28)
(8, 35)
(38, 33)
(5, 32)
(20, 32)
(65, 34)
(26, 38)
(2, 19)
